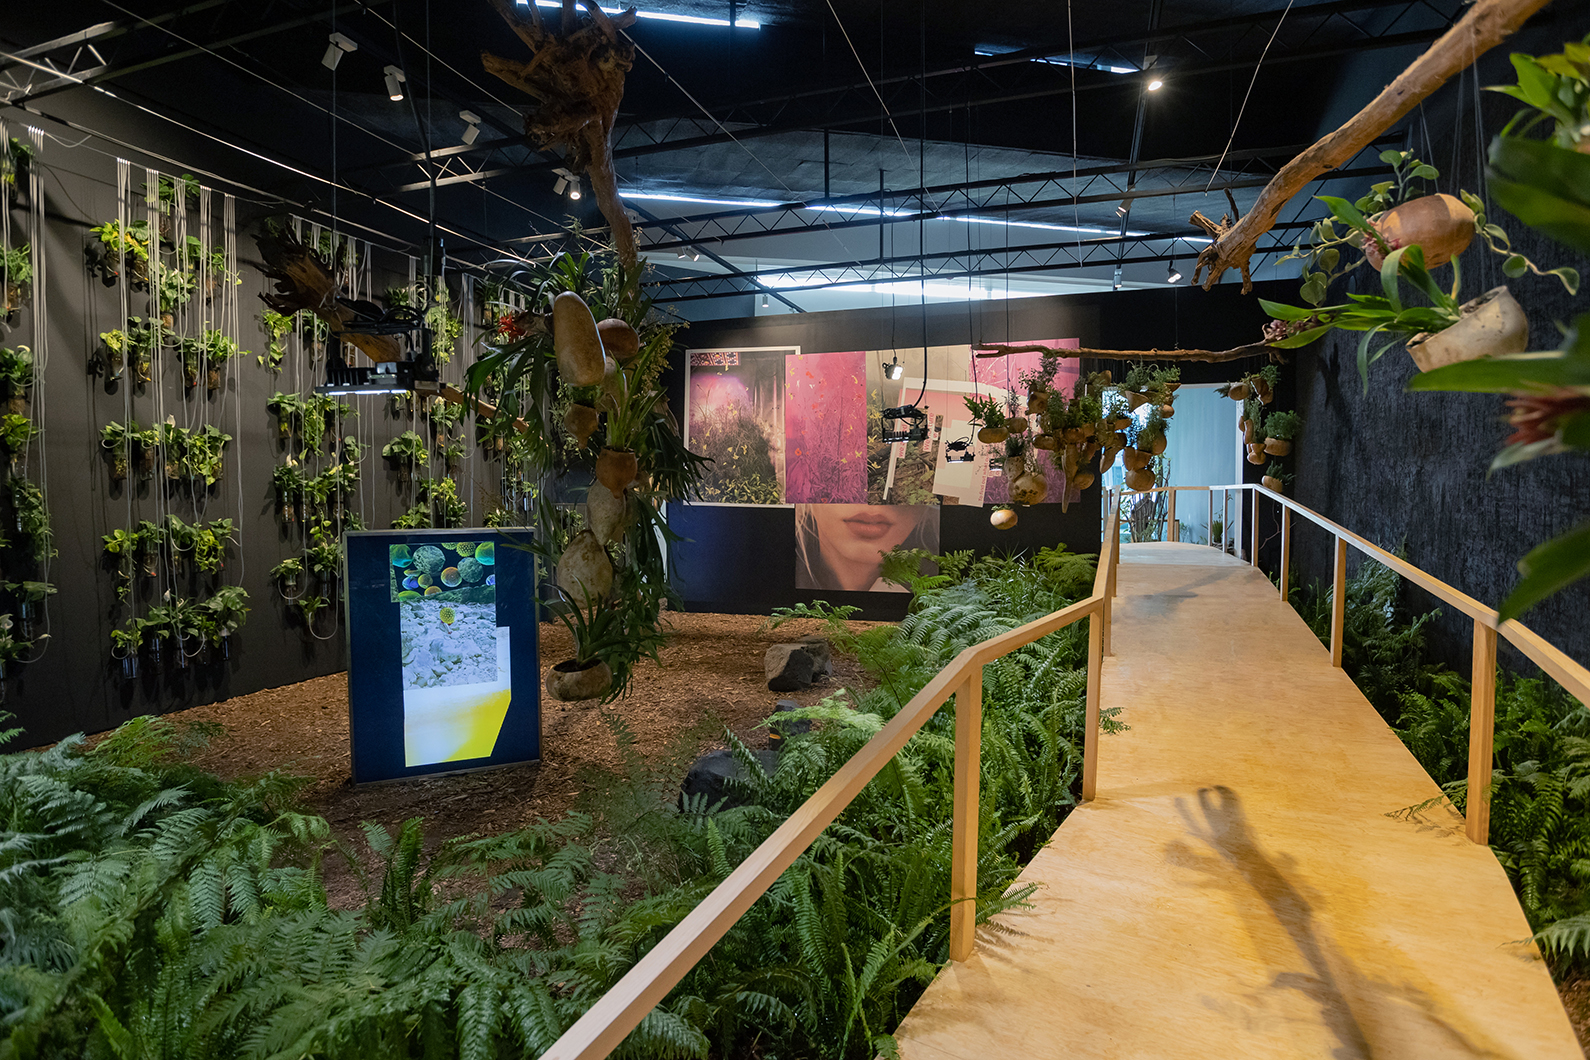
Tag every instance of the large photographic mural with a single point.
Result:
(788, 427)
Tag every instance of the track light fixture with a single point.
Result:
(394, 83)
(680, 254)
(1173, 275)
(338, 47)
(764, 300)
(1123, 209)
(1155, 84)
(894, 369)
(574, 188)
(567, 183)
(471, 126)
(695, 255)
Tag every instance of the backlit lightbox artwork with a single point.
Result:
(440, 623)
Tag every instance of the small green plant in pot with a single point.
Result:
(1276, 477)
(989, 415)
(596, 630)
(1280, 428)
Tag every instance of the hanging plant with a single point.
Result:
(32, 518)
(16, 278)
(118, 245)
(277, 327)
(127, 643)
(287, 574)
(288, 478)
(15, 434)
(122, 546)
(151, 540)
(290, 410)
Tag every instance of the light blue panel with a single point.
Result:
(1203, 447)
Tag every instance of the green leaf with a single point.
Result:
(1521, 452)
(1390, 157)
(1569, 277)
(1548, 569)
(1545, 186)
(1347, 213)
(1303, 338)
(1426, 172)
(1282, 311)
(1574, 432)
(1515, 266)
(1313, 292)
(1329, 257)
(1364, 358)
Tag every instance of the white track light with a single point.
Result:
(1174, 275)
(1155, 85)
(574, 188)
(1123, 209)
(394, 84)
(338, 47)
(471, 126)
(894, 370)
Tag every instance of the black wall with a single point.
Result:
(74, 683)
(741, 559)
(1410, 470)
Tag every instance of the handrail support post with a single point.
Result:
(963, 841)
(1090, 724)
(1482, 733)
(1172, 527)
(1286, 551)
(1338, 601)
(1253, 533)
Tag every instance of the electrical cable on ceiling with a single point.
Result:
(1254, 80)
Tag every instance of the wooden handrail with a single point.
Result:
(606, 1023)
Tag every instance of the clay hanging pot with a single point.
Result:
(1071, 436)
(1037, 404)
(581, 422)
(1002, 518)
(1134, 400)
(1158, 445)
(1441, 225)
(1046, 441)
(1083, 479)
(1141, 479)
(1016, 424)
(1250, 433)
(1107, 460)
(1015, 467)
(1122, 422)
(1489, 326)
(1135, 459)
(1262, 389)
(992, 435)
(1256, 454)
(619, 339)
(576, 341)
(584, 571)
(1272, 483)
(1167, 410)
(616, 468)
(606, 512)
(1030, 488)
(1238, 392)
(1277, 446)
(571, 681)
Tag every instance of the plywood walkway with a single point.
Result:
(1237, 890)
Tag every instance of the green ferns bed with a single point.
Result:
(1540, 793)
(148, 909)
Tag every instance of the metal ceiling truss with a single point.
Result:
(1008, 78)
(1100, 252)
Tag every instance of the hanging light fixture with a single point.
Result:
(471, 126)
(338, 47)
(394, 83)
(1155, 84)
(764, 300)
(894, 369)
(1173, 275)
(574, 188)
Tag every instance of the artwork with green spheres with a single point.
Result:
(401, 556)
(451, 578)
(430, 559)
(486, 552)
(465, 548)
(408, 594)
(471, 571)
(432, 590)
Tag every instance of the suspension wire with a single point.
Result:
(1240, 110)
(41, 346)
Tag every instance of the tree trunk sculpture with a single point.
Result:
(579, 80)
(1257, 349)
(1486, 25)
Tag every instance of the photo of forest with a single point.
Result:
(825, 428)
(736, 419)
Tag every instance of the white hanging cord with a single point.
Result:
(1256, 68)
(41, 345)
(233, 315)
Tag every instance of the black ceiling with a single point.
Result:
(895, 86)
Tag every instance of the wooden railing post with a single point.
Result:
(1225, 518)
(1286, 551)
(1482, 732)
(963, 840)
(1338, 601)
(1253, 532)
(1090, 724)
(1172, 527)
(1210, 525)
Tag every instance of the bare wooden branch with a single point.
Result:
(578, 78)
(1485, 25)
(1257, 349)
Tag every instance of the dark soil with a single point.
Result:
(710, 678)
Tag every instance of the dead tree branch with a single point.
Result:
(1485, 25)
(1257, 349)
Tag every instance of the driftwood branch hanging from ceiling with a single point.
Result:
(1257, 349)
(578, 78)
(304, 281)
(1486, 25)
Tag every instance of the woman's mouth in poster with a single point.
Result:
(870, 526)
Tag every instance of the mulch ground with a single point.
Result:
(710, 679)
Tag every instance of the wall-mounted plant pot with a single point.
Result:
(1238, 392)
(1037, 404)
(1158, 444)
(992, 435)
(1249, 431)
(1002, 518)
(570, 681)
(1256, 454)
(1491, 325)
(1272, 483)
(1134, 400)
(1277, 446)
(1261, 389)
(1441, 225)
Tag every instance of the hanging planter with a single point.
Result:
(1135, 459)
(1277, 446)
(1016, 424)
(1046, 441)
(1002, 518)
(616, 468)
(1441, 225)
(1239, 392)
(576, 341)
(580, 421)
(1255, 453)
(570, 681)
(584, 571)
(992, 435)
(1491, 325)
(1272, 483)
(1030, 488)
(1140, 479)
(619, 339)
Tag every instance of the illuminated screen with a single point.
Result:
(440, 623)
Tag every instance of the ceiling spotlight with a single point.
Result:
(1123, 209)
(894, 369)
(338, 47)
(394, 84)
(764, 300)
(471, 126)
(1173, 275)
(574, 188)
(681, 254)
(1155, 85)
(695, 255)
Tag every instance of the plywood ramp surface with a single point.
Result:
(1237, 889)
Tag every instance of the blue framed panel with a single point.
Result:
(444, 667)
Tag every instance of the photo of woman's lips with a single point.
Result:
(870, 525)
